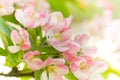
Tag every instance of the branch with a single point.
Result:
(16, 73)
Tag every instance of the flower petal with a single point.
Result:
(14, 49)
(44, 76)
(15, 37)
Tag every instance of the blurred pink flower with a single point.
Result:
(6, 7)
(82, 40)
(21, 39)
(58, 38)
(55, 68)
(84, 68)
(56, 19)
(30, 18)
(39, 5)
(33, 63)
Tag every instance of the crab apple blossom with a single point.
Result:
(29, 18)
(82, 40)
(32, 62)
(58, 37)
(21, 40)
(85, 68)
(39, 5)
(55, 68)
(6, 7)
(56, 19)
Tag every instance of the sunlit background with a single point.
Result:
(87, 15)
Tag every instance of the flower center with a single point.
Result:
(58, 36)
(83, 66)
(21, 42)
(51, 68)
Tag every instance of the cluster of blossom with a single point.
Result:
(59, 35)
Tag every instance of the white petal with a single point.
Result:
(14, 49)
(44, 76)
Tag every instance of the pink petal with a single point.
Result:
(99, 66)
(48, 62)
(36, 64)
(73, 47)
(61, 69)
(81, 75)
(58, 61)
(69, 56)
(15, 36)
(66, 34)
(81, 39)
(53, 76)
(30, 54)
(74, 67)
(26, 46)
(90, 51)
(24, 35)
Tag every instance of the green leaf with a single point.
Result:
(4, 27)
(3, 52)
(5, 39)
(13, 60)
(70, 76)
(10, 18)
(32, 35)
(59, 5)
(45, 48)
(37, 74)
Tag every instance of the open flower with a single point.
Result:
(21, 40)
(82, 40)
(30, 18)
(6, 7)
(56, 19)
(84, 68)
(33, 63)
(58, 38)
(55, 68)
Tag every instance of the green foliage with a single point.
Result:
(45, 48)
(37, 74)
(4, 27)
(70, 76)
(59, 5)
(10, 18)
(12, 60)
(3, 52)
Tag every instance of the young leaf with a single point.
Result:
(13, 60)
(70, 76)
(45, 48)
(4, 27)
(3, 52)
(37, 74)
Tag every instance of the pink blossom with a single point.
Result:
(56, 69)
(33, 63)
(59, 38)
(68, 56)
(21, 39)
(84, 68)
(82, 40)
(73, 47)
(6, 7)
(30, 18)
(56, 19)
(39, 5)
